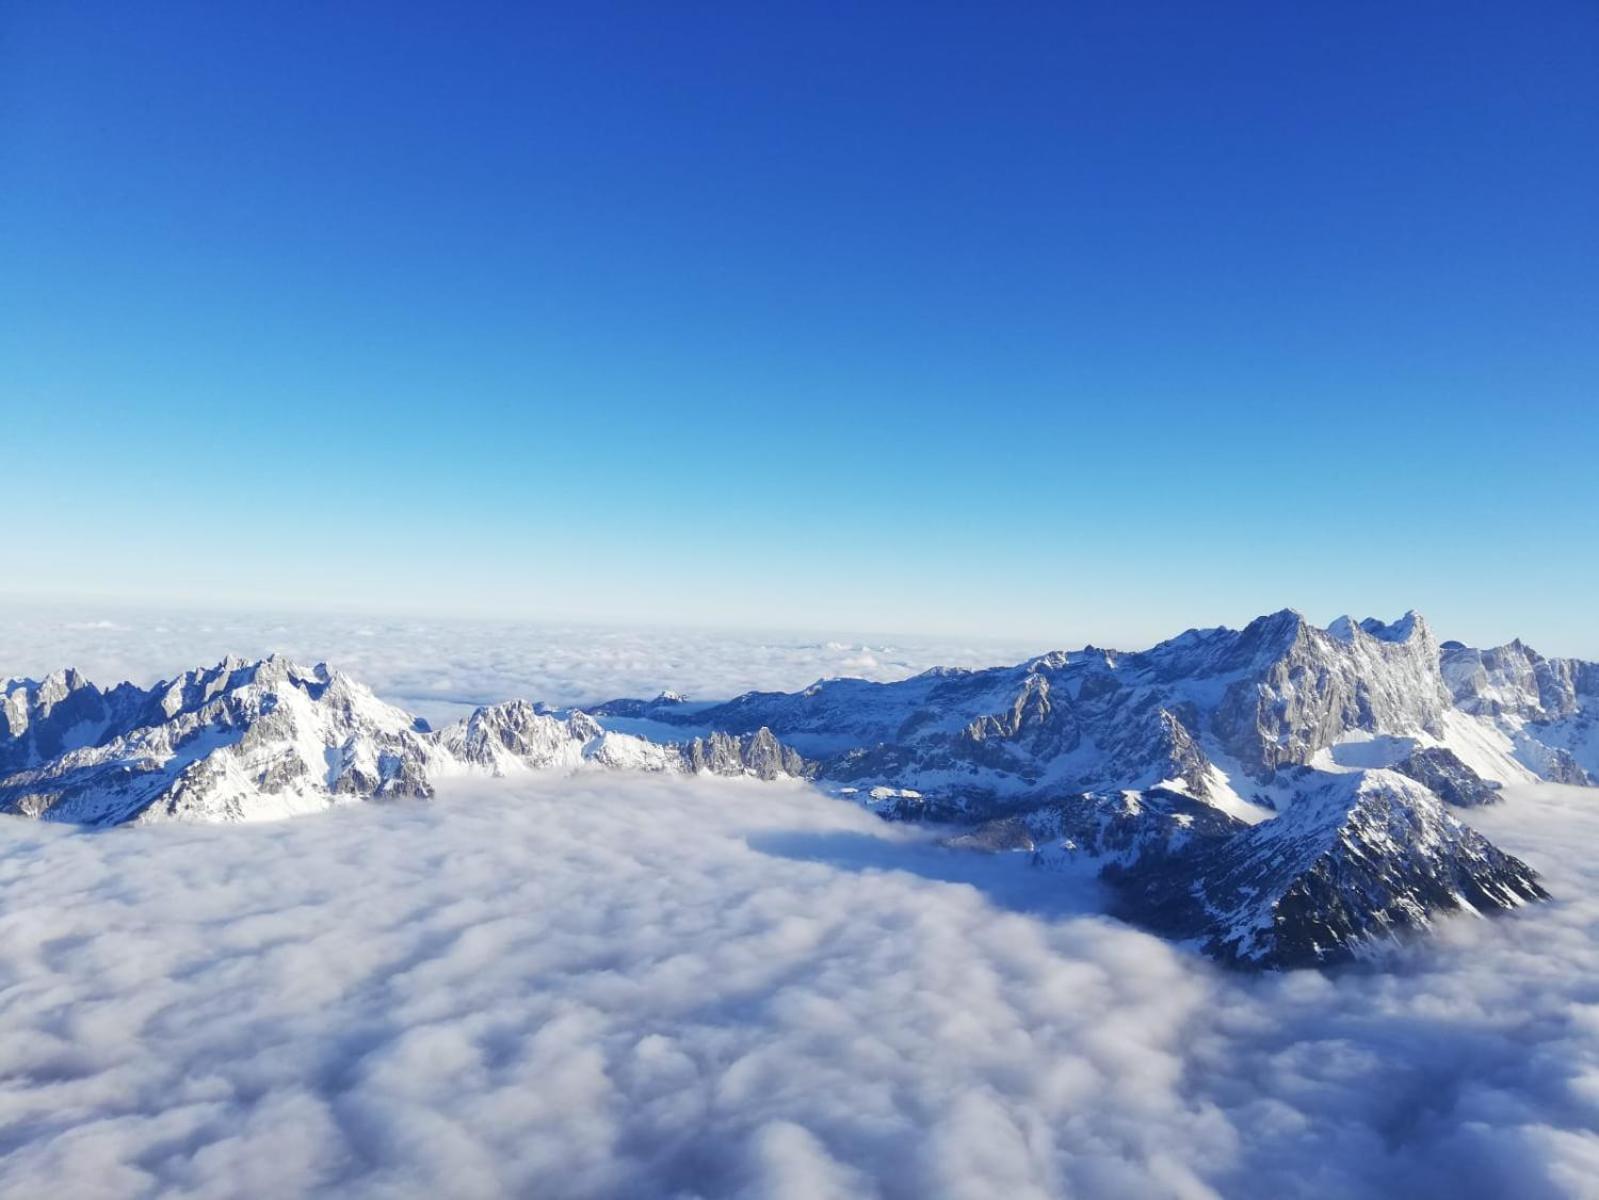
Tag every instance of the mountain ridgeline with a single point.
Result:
(1280, 795)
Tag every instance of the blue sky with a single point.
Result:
(1089, 322)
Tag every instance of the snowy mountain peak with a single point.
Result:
(1346, 629)
(1055, 660)
(514, 736)
(1343, 628)
(1410, 625)
(59, 684)
(1270, 637)
(1515, 681)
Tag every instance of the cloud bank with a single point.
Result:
(710, 988)
(442, 669)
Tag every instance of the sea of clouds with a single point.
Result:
(606, 985)
(626, 986)
(442, 669)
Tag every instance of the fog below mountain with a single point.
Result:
(641, 986)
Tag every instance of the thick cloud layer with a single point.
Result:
(441, 669)
(629, 986)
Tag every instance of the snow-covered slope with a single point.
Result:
(1357, 858)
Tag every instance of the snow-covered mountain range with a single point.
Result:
(251, 741)
(1281, 794)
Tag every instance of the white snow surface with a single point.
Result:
(1482, 743)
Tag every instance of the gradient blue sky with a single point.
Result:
(1082, 321)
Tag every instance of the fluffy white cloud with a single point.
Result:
(616, 986)
(442, 668)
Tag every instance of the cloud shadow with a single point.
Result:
(1007, 880)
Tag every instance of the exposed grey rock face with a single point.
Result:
(1561, 766)
(1516, 680)
(1305, 688)
(1549, 705)
(1065, 723)
(1452, 781)
(1271, 695)
(759, 754)
(42, 720)
(1357, 858)
(1161, 745)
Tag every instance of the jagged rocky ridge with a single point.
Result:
(243, 741)
(1278, 794)
(1180, 772)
